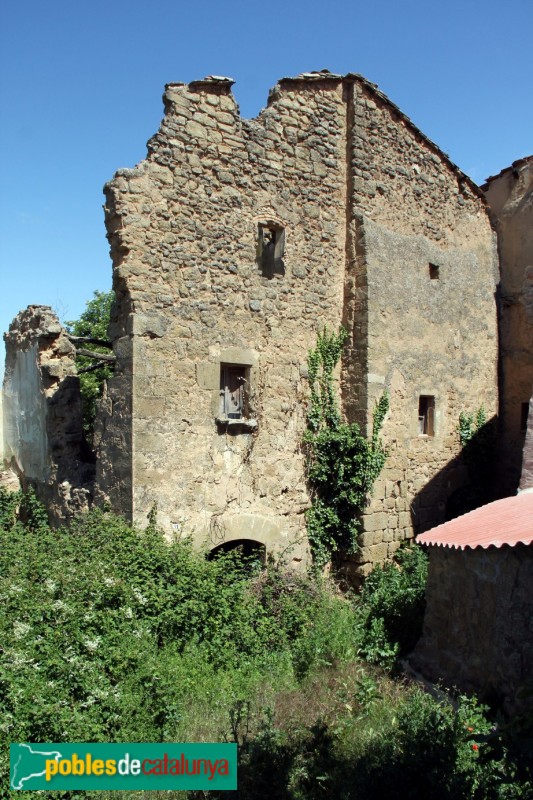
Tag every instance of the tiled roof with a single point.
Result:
(508, 521)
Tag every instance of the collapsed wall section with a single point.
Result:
(229, 240)
(42, 419)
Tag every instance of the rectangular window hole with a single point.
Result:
(426, 415)
(434, 272)
(270, 249)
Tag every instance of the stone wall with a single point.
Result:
(184, 236)
(43, 437)
(510, 196)
(428, 270)
(468, 641)
(364, 204)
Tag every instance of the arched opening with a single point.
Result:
(252, 553)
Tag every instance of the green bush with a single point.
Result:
(390, 609)
(111, 634)
(428, 748)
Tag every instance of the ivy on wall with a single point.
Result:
(342, 465)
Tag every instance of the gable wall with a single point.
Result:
(510, 197)
(367, 202)
(188, 216)
(432, 337)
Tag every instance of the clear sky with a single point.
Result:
(81, 86)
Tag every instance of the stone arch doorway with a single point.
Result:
(251, 550)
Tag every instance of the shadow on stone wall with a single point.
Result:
(466, 482)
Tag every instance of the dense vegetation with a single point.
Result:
(110, 634)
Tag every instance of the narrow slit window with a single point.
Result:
(426, 415)
(234, 383)
(524, 413)
(271, 249)
(434, 271)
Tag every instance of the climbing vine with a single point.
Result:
(342, 465)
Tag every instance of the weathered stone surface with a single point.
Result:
(477, 632)
(367, 204)
(526, 481)
(380, 232)
(510, 196)
(43, 438)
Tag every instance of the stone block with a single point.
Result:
(149, 324)
(194, 129)
(366, 539)
(375, 522)
(364, 570)
(378, 552)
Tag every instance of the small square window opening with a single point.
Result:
(426, 415)
(234, 391)
(270, 249)
(524, 413)
(434, 272)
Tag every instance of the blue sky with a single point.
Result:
(81, 86)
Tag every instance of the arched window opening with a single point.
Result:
(253, 553)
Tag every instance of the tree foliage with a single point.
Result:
(92, 324)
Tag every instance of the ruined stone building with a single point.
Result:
(510, 197)
(233, 243)
(43, 438)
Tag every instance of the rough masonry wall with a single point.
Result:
(43, 437)
(366, 204)
(184, 235)
(432, 330)
(468, 640)
(510, 196)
